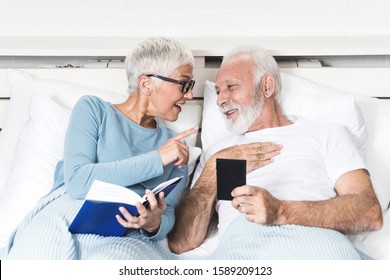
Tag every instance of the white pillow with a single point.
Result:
(314, 102)
(376, 115)
(189, 117)
(301, 98)
(38, 150)
(367, 121)
(213, 124)
(375, 244)
(33, 137)
(23, 85)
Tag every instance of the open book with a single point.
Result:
(102, 202)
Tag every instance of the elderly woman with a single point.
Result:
(125, 144)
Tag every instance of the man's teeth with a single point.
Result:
(230, 112)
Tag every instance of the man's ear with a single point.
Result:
(267, 85)
(145, 85)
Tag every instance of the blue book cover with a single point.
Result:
(97, 214)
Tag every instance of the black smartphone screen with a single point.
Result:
(231, 173)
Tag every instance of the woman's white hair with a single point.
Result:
(263, 63)
(159, 55)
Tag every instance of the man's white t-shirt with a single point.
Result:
(313, 157)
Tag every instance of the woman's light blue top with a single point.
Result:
(101, 143)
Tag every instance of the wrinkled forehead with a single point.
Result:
(184, 71)
(239, 68)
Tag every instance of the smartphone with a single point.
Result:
(231, 173)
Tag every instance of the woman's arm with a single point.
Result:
(81, 166)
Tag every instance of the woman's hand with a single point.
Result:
(174, 150)
(256, 154)
(149, 217)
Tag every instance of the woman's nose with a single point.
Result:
(189, 94)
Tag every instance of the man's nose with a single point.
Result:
(222, 98)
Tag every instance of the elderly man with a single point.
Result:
(305, 181)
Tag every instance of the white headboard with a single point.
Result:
(98, 62)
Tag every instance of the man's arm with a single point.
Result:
(197, 207)
(194, 212)
(355, 209)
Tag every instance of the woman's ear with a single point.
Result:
(267, 85)
(145, 85)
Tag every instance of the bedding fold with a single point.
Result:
(44, 234)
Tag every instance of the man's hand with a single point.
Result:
(256, 154)
(353, 210)
(257, 203)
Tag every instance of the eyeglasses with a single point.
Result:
(186, 85)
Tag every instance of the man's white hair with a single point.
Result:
(263, 63)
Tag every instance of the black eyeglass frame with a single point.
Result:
(186, 85)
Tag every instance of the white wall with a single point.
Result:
(193, 18)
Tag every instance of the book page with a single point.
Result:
(163, 185)
(103, 191)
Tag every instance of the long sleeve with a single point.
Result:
(94, 150)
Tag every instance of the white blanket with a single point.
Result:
(44, 234)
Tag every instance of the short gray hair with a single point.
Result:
(159, 55)
(263, 63)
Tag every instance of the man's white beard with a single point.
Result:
(246, 116)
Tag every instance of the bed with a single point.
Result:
(35, 104)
